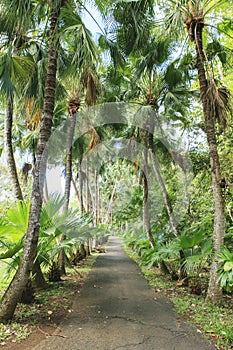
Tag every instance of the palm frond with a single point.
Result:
(16, 221)
(219, 100)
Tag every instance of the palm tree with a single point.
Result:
(15, 289)
(146, 215)
(15, 69)
(9, 150)
(73, 108)
(214, 103)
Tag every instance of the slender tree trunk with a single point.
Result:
(87, 187)
(9, 150)
(69, 160)
(165, 195)
(109, 209)
(68, 167)
(214, 292)
(80, 176)
(15, 289)
(96, 198)
(75, 188)
(86, 182)
(163, 189)
(146, 215)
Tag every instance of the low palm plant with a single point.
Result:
(53, 223)
(197, 248)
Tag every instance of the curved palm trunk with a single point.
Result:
(166, 198)
(149, 143)
(15, 289)
(163, 189)
(214, 292)
(9, 150)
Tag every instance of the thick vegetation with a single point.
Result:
(129, 130)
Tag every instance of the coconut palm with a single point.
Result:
(69, 20)
(15, 69)
(15, 289)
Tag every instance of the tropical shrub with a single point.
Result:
(225, 269)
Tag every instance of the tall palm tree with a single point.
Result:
(9, 150)
(15, 68)
(15, 289)
(214, 103)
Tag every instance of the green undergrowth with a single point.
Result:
(214, 322)
(50, 305)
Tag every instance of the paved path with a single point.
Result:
(117, 310)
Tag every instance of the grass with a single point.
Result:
(214, 322)
(50, 307)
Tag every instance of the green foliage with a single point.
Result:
(14, 224)
(53, 224)
(225, 269)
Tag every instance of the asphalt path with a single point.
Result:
(117, 310)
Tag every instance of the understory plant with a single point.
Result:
(54, 222)
(225, 269)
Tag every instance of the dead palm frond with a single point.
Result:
(25, 171)
(33, 113)
(92, 87)
(219, 100)
(95, 140)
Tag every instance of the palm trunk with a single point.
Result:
(86, 187)
(109, 209)
(80, 176)
(166, 198)
(69, 160)
(15, 289)
(214, 292)
(9, 150)
(38, 279)
(75, 189)
(96, 198)
(61, 256)
(163, 189)
(146, 215)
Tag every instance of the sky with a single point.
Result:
(91, 23)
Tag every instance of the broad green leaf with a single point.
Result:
(228, 266)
